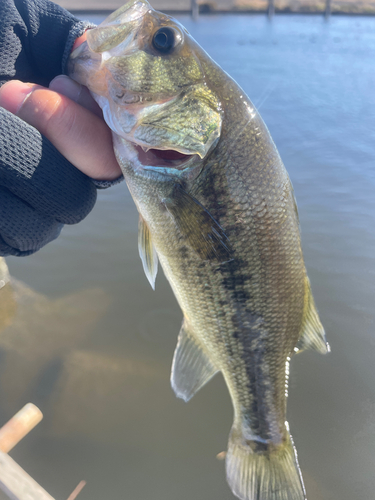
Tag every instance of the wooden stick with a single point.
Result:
(16, 482)
(18, 426)
(77, 490)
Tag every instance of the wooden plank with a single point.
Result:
(18, 426)
(16, 482)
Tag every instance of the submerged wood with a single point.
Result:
(17, 483)
(14, 481)
(18, 426)
(77, 490)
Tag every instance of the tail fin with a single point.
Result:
(269, 475)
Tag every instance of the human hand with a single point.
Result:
(40, 189)
(70, 119)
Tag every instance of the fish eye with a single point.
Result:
(164, 40)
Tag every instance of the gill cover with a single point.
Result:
(143, 69)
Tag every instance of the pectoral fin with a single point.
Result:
(191, 368)
(147, 252)
(312, 333)
(198, 227)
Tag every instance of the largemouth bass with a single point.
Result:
(217, 211)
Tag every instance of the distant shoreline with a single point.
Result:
(106, 12)
(178, 7)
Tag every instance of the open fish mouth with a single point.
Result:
(167, 158)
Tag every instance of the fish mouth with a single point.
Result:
(163, 158)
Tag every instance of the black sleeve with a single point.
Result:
(39, 189)
(36, 37)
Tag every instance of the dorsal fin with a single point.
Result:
(312, 332)
(191, 368)
(147, 251)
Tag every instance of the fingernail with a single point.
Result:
(14, 93)
(66, 86)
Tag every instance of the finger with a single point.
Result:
(76, 92)
(81, 136)
(80, 40)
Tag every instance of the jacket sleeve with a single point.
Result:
(39, 189)
(36, 37)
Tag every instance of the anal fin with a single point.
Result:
(147, 251)
(312, 332)
(191, 367)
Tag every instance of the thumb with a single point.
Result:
(80, 135)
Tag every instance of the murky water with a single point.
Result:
(93, 344)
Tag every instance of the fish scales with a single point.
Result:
(217, 210)
(247, 292)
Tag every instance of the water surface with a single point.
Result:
(97, 362)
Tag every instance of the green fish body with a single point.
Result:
(217, 210)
